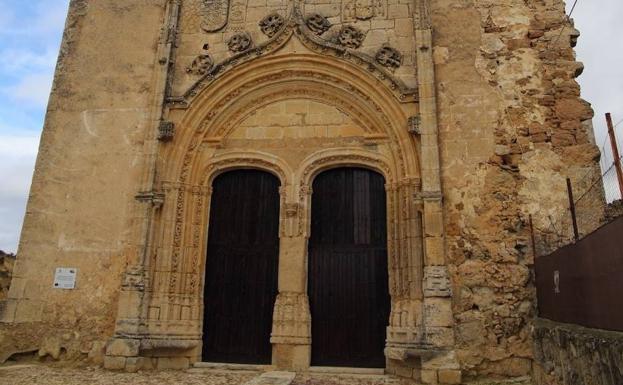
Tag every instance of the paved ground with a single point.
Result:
(51, 375)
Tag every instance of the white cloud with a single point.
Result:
(18, 154)
(33, 89)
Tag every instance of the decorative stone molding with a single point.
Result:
(291, 320)
(296, 25)
(134, 279)
(166, 131)
(350, 37)
(389, 57)
(317, 23)
(154, 197)
(437, 282)
(271, 24)
(240, 42)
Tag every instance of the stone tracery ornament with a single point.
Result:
(350, 37)
(389, 57)
(317, 23)
(271, 24)
(240, 42)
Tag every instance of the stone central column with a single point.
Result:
(291, 335)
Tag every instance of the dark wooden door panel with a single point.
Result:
(348, 278)
(241, 268)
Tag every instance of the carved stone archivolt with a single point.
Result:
(317, 23)
(240, 42)
(389, 57)
(271, 24)
(350, 37)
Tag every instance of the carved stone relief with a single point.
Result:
(240, 42)
(436, 282)
(166, 131)
(389, 57)
(237, 13)
(271, 24)
(291, 320)
(202, 64)
(353, 10)
(317, 23)
(216, 14)
(350, 37)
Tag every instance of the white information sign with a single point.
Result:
(65, 278)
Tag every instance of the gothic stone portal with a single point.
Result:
(295, 109)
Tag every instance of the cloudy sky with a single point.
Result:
(30, 33)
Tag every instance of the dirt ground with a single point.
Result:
(38, 374)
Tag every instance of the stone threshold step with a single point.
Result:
(341, 370)
(233, 367)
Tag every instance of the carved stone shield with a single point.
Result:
(216, 14)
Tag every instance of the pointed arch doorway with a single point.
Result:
(348, 276)
(241, 268)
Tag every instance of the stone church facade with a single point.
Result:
(468, 110)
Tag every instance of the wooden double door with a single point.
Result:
(347, 268)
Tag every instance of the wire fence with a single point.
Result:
(585, 211)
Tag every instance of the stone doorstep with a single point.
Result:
(348, 371)
(231, 367)
(273, 378)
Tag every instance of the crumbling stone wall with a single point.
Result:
(512, 128)
(573, 355)
(6, 271)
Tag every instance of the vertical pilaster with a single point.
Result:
(133, 298)
(440, 363)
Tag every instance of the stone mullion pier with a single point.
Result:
(291, 332)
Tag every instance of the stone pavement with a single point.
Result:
(39, 374)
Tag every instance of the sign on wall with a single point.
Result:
(65, 278)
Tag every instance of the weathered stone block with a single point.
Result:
(428, 376)
(452, 377)
(123, 347)
(114, 363)
(173, 363)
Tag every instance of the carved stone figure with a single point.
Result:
(351, 37)
(389, 57)
(317, 23)
(216, 14)
(240, 42)
(271, 24)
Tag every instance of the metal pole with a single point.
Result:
(576, 234)
(532, 238)
(615, 152)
